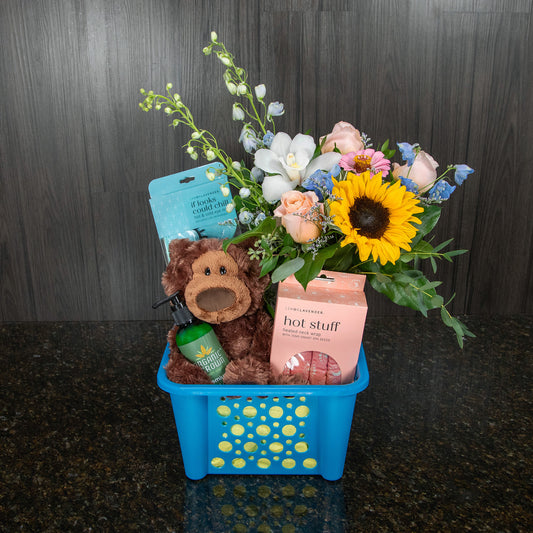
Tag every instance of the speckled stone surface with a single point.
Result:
(441, 439)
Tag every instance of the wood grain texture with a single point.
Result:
(77, 241)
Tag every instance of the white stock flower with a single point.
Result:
(289, 161)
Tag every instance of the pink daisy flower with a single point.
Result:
(363, 160)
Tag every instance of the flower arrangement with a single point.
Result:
(338, 204)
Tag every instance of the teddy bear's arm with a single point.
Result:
(262, 338)
(179, 369)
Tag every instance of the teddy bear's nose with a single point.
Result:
(215, 299)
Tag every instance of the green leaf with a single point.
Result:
(343, 258)
(286, 269)
(453, 253)
(288, 240)
(459, 332)
(388, 153)
(445, 317)
(286, 250)
(382, 278)
(429, 219)
(430, 285)
(422, 250)
(408, 288)
(267, 226)
(268, 264)
(313, 265)
(460, 329)
(442, 245)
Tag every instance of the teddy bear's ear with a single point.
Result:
(178, 248)
(177, 272)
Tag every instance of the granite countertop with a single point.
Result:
(441, 438)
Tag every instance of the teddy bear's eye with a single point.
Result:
(207, 271)
(223, 270)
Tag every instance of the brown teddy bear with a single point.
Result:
(225, 290)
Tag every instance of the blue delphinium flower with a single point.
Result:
(259, 218)
(248, 138)
(408, 152)
(257, 174)
(244, 192)
(268, 138)
(441, 191)
(245, 217)
(275, 109)
(321, 182)
(409, 184)
(461, 173)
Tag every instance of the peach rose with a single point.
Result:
(343, 136)
(423, 171)
(298, 216)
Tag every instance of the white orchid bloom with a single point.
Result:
(290, 162)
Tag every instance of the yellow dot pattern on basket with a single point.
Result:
(217, 462)
(250, 447)
(302, 411)
(276, 447)
(309, 462)
(288, 463)
(238, 462)
(301, 447)
(263, 463)
(225, 446)
(289, 430)
(276, 412)
(249, 411)
(263, 429)
(223, 410)
(237, 429)
(269, 434)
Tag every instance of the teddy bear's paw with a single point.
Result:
(247, 370)
(179, 370)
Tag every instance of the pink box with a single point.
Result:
(319, 330)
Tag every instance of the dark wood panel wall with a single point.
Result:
(77, 241)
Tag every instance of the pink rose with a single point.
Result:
(299, 213)
(423, 171)
(343, 136)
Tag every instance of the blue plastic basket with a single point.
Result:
(256, 429)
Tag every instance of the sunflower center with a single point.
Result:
(369, 218)
(361, 163)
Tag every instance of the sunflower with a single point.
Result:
(375, 216)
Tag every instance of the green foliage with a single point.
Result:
(387, 152)
(313, 264)
(410, 288)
